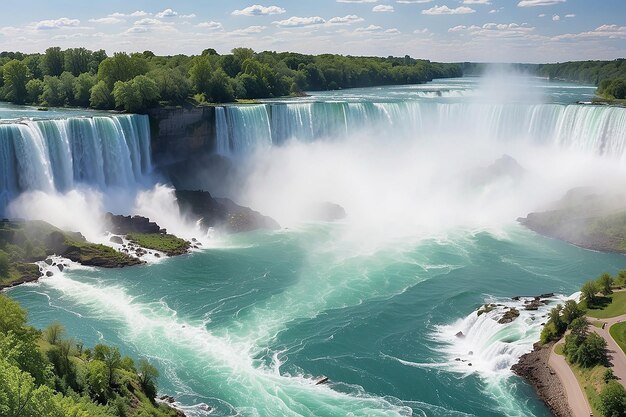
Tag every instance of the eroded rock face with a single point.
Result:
(222, 212)
(122, 225)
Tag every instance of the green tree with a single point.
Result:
(571, 311)
(174, 86)
(589, 291)
(54, 333)
(591, 352)
(200, 75)
(53, 62)
(101, 96)
(53, 92)
(13, 317)
(34, 90)
(98, 381)
(220, 88)
(16, 75)
(555, 318)
(111, 358)
(605, 282)
(148, 90)
(122, 67)
(148, 375)
(77, 61)
(82, 89)
(613, 400)
(127, 96)
(4, 264)
(68, 86)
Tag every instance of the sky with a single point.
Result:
(440, 30)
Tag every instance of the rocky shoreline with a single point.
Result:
(533, 368)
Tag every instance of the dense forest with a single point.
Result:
(609, 76)
(133, 82)
(46, 374)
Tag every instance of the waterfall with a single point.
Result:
(55, 155)
(596, 129)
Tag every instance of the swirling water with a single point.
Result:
(247, 326)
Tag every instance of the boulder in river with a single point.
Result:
(116, 239)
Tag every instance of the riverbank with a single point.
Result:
(534, 368)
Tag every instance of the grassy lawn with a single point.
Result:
(591, 381)
(618, 332)
(611, 306)
(168, 244)
(558, 349)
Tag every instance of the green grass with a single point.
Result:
(596, 323)
(559, 349)
(168, 244)
(612, 306)
(618, 332)
(591, 380)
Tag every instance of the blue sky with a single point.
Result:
(444, 30)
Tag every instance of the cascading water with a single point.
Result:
(56, 155)
(599, 130)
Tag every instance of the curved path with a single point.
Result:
(576, 398)
(617, 357)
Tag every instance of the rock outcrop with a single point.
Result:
(123, 225)
(533, 367)
(222, 212)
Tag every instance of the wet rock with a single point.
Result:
(60, 267)
(460, 335)
(168, 399)
(509, 316)
(48, 261)
(123, 225)
(116, 239)
(49, 273)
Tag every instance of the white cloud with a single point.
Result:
(440, 10)
(369, 29)
(187, 16)
(604, 31)
(56, 24)
(357, 1)
(166, 13)
(556, 17)
(137, 29)
(346, 20)
(476, 2)
(535, 3)
(542, 15)
(383, 8)
(413, 1)
(420, 31)
(138, 13)
(393, 31)
(107, 20)
(570, 15)
(210, 25)
(250, 30)
(148, 22)
(300, 21)
(258, 10)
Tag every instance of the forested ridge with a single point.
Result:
(609, 76)
(47, 374)
(133, 82)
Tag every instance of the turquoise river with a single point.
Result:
(248, 324)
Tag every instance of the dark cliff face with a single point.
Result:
(181, 133)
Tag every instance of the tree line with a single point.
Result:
(136, 81)
(609, 76)
(47, 374)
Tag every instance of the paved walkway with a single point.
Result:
(576, 398)
(617, 357)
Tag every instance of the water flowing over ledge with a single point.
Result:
(56, 155)
(600, 130)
